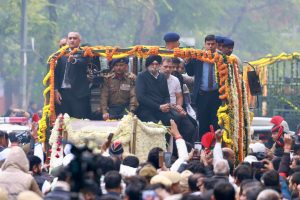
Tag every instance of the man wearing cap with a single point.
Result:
(118, 91)
(205, 91)
(172, 40)
(220, 41)
(153, 94)
(228, 45)
(72, 92)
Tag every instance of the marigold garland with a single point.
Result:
(222, 65)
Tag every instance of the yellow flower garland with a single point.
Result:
(110, 53)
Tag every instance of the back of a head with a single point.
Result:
(242, 172)
(62, 173)
(131, 161)
(191, 197)
(105, 164)
(193, 181)
(253, 192)
(153, 156)
(112, 180)
(268, 194)
(210, 183)
(221, 168)
(296, 178)
(224, 191)
(134, 191)
(13, 137)
(196, 167)
(33, 161)
(271, 179)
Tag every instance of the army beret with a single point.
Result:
(151, 59)
(219, 39)
(171, 37)
(228, 42)
(119, 60)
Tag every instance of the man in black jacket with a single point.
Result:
(72, 92)
(205, 91)
(153, 94)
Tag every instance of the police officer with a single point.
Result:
(172, 40)
(118, 91)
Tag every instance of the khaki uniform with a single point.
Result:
(118, 92)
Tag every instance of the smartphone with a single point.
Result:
(257, 165)
(149, 195)
(198, 146)
(160, 159)
(168, 159)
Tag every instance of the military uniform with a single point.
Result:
(118, 94)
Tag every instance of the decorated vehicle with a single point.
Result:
(233, 114)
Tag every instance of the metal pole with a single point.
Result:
(24, 53)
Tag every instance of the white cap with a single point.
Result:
(250, 159)
(257, 147)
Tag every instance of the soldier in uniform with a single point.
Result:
(118, 91)
(172, 40)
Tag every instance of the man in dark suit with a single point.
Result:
(205, 92)
(153, 94)
(72, 92)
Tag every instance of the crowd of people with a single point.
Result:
(210, 173)
(185, 102)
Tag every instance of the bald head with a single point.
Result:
(62, 42)
(228, 154)
(74, 39)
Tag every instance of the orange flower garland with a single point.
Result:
(139, 51)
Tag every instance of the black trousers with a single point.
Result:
(207, 107)
(75, 107)
(185, 125)
(147, 115)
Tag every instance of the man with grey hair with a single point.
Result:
(268, 194)
(221, 169)
(72, 93)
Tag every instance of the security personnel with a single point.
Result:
(220, 42)
(118, 91)
(228, 46)
(172, 40)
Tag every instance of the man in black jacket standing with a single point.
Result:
(153, 94)
(72, 92)
(205, 92)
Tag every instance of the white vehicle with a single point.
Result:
(18, 125)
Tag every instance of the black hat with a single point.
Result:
(116, 148)
(118, 60)
(171, 37)
(151, 59)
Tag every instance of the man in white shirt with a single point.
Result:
(176, 97)
(186, 127)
